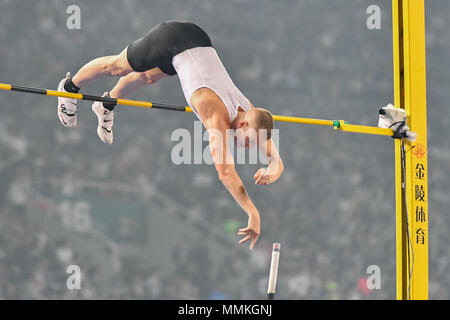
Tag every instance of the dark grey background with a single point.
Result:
(159, 231)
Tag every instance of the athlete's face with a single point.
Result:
(246, 137)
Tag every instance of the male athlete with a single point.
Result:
(183, 48)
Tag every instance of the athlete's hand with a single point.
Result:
(263, 177)
(251, 232)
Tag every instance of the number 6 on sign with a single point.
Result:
(76, 215)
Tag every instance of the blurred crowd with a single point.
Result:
(333, 209)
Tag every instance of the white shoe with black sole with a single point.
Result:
(67, 107)
(105, 121)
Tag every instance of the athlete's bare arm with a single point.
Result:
(214, 116)
(272, 173)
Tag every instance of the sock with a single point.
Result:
(109, 105)
(69, 86)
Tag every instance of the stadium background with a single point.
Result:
(141, 227)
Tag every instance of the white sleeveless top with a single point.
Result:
(201, 67)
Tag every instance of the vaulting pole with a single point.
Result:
(336, 124)
(273, 274)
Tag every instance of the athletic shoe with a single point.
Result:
(67, 107)
(105, 121)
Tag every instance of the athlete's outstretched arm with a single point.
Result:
(224, 164)
(272, 173)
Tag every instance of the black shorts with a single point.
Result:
(162, 43)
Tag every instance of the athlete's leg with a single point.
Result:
(111, 65)
(116, 65)
(124, 87)
(135, 80)
(142, 55)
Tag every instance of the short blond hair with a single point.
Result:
(264, 120)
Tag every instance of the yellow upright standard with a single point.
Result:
(410, 94)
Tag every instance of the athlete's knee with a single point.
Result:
(148, 78)
(144, 78)
(152, 75)
(116, 67)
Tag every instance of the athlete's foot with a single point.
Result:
(105, 121)
(67, 107)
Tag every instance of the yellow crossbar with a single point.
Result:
(336, 124)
